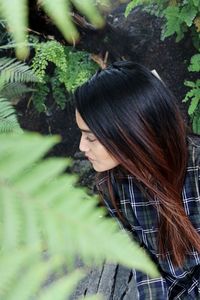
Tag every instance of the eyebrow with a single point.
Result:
(85, 130)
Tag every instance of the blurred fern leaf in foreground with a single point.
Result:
(46, 223)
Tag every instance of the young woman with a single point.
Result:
(135, 137)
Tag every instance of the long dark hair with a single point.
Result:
(134, 115)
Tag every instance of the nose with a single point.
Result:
(83, 145)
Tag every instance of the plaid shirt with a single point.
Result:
(141, 220)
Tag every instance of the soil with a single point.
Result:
(135, 38)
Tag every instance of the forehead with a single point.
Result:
(80, 122)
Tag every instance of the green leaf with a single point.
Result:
(58, 11)
(194, 63)
(189, 83)
(196, 123)
(173, 21)
(131, 5)
(89, 9)
(12, 70)
(39, 174)
(33, 277)
(11, 263)
(188, 13)
(15, 13)
(14, 162)
(193, 105)
(11, 221)
(8, 119)
(196, 3)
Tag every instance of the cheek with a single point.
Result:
(101, 152)
(104, 161)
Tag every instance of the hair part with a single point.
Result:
(135, 117)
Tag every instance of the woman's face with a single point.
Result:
(97, 154)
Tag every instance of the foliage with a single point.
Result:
(15, 71)
(4, 34)
(194, 94)
(70, 69)
(8, 119)
(132, 4)
(13, 74)
(180, 16)
(15, 12)
(46, 223)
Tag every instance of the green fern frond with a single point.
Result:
(8, 119)
(25, 275)
(173, 23)
(193, 95)
(68, 222)
(15, 90)
(15, 71)
(50, 51)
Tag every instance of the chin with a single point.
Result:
(101, 169)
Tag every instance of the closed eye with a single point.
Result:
(91, 140)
